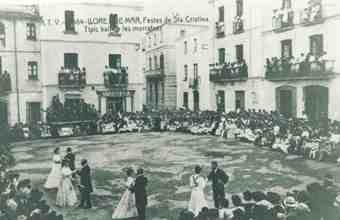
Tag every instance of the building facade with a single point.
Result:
(20, 62)
(159, 46)
(193, 83)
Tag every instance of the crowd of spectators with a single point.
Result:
(70, 111)
(230, 70)
(303, 65)
(72, 77)
(5, 82)
(312, 12)
(318, 201)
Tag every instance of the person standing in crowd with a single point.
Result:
(66, 196)
(218, 178)
(197, 199)
(54, 177)
(141, 194)
(85, 185)
(70, 157)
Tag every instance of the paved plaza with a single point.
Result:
(169, 159)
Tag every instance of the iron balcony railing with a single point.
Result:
(224, 73)
(72, 78)
(116, 77)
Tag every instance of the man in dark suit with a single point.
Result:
(140, 193)
(219, 178)
(85, 185)
(70, 157)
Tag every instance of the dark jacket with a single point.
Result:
(70, 157)
(219, 179)
(85, 178)
(140, 191)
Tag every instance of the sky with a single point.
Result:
(151, 7)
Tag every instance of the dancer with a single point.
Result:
(85, 186)
(197, 199)
(219, 178)
(54, 177)
(140, 193)
(70, 157)
(66, 196)
(126, 207)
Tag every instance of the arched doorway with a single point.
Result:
(286, 100)
(316, 102)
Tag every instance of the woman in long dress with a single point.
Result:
(197, 199)
(126, 207)
(66, 195)
(54, 177)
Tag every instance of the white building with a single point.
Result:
(160, 63)
(193, 85)
(20, 57)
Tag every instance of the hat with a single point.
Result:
(290, 201)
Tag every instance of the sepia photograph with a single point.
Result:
(169, 110)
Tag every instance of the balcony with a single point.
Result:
(154, 73)
(194, 83)
(316, 70)
(312, 14)
(220, 29)
(228, 72)
(238, 26)
(116, 78)
(283, 20)
(72, 78)
(5, 82)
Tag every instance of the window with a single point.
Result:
(115, 61)
(239, 8)
(221, 14)
(195, 45)
(33, 112)
(221, 55)
(113, 19)
(2, 35)
(185, 100)
(31, 31)
(32, 70)
(185, 72)
(70, 60)
(286, 4)
(195, 71)
(239, 52)
(316, 44)
(150, 63)
(69, 21)
(185, 47)
(155, 62)
(239, 100)
(220, 101)
(286, 48)
(161, 61)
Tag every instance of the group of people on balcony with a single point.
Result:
(115, 76)
(70, 111)
(72, 76)
(238, 24)
(5, 82)
(305, 64)
(312, 12)
(283, 18)
(231, 70)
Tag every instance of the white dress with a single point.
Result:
(66, 196)
(126, 207)
(197, 199)
(53, 179)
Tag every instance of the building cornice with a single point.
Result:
(88, 41)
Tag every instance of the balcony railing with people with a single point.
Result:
(116, 77)
(283, 19)
(238, 26)
(154, 73)
(5, 82)
(220, 30)
(194, 83)
(72, 77)
(312, 14)
(309, 67)
(236, 71)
